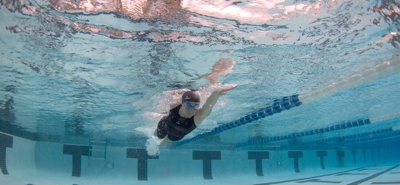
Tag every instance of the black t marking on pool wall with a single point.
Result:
(296, 155)
(141, 155)
(322, 154)
(379, 154)
(364, 152)
(207, 156)
(76, 152)
(354, 152)
(340, 153)
(5, 141)
(258, 156)
(372, 154)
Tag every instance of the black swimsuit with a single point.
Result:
(174, 125)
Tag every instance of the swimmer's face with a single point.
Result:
(190, 108)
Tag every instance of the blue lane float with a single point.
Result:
(277, 106)
(340, 126)
(349, 139)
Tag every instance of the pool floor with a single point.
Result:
(27, 162)
(388, 173)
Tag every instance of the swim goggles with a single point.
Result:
(190, 106)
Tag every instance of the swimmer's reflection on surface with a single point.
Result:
(134, 9)
(222, 67)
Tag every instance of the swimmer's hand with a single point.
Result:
(205, 111)
(222, 90)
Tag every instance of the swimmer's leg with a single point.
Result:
(164, 142)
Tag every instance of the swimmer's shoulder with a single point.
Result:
(172, 106)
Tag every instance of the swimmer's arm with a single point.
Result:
(205, 111)
(164, 141)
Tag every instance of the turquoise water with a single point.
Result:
(72, 71)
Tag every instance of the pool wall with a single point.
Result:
(24, 156)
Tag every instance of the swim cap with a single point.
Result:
(191, 96)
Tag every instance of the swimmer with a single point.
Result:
(184, 117)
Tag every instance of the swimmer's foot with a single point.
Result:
(152, 146)
(227, 87)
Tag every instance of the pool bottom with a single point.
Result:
(31, 162)
(374, 174)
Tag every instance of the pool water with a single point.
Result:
(84, 84)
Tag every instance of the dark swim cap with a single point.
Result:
(191, 96)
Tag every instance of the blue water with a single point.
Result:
(106, 73)
(317, 81)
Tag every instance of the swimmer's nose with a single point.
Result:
(191, 111)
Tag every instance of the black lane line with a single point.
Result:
(372, 176)
(351, 174)
(319, 181)
(278, 182)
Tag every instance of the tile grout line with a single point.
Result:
(313, 176)
(372, 176)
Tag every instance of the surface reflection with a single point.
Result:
(134, 9)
